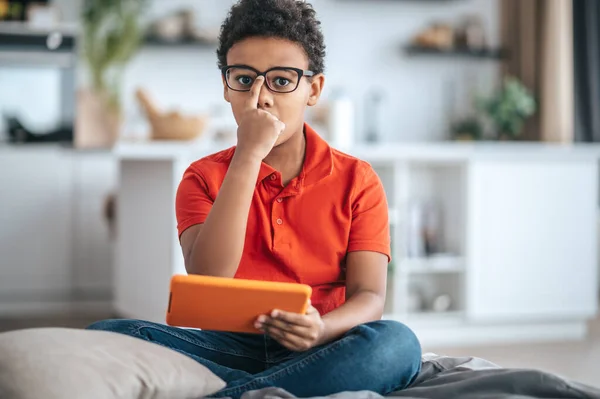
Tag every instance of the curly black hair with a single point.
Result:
(294, 20)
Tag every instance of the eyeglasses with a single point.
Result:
(278, 79)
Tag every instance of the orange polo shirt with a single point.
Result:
(302, 232)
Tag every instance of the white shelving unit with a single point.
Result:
(414, 282)
(433, 265)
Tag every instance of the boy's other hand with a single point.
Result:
(258, 130)
(297, 332)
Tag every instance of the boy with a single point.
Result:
(283, 206)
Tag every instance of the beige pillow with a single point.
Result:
(60, 363)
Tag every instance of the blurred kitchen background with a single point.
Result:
(480, 116)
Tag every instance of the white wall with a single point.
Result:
(364, 40)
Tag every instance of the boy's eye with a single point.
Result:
(244, 80)
(281, 82)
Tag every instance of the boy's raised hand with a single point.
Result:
(258, 130)
(297, 332)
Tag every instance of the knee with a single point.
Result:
(394, 343)
(395, 337)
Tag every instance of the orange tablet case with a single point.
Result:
(227, 304)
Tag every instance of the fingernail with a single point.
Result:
(261, 319)
(257, 325)
(274, 313)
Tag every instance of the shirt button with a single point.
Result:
(279, 199)
(279, 221)
(273, 177)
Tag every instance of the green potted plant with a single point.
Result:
(111, 34)
(509, 108)
(467, 129)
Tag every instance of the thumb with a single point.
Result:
(280, 129)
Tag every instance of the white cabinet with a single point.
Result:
(532, 240)
(94, 182)
(35, 225)
(55, 250)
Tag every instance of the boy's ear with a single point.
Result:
(225, 90)
(316, 88)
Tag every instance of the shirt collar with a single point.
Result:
(318, 161)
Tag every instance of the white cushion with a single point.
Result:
(60, 363)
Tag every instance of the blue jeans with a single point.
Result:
(381, 356)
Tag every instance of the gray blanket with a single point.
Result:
(444, 377)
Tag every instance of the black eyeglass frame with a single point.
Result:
(301, 73)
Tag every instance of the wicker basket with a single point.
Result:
(172, 125)
(176, 127)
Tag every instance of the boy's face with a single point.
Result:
(263, 54)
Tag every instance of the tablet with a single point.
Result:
(228, 304)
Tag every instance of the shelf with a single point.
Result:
(22, 45)
(16, 36)
(433, 264)
(487, 53)
(152, 41)
(47, 42)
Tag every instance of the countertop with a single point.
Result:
(376, 153)
(385, 152)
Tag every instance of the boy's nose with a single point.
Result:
(265, 97)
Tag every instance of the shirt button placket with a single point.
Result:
(279, 221)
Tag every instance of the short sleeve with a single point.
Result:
(370, 228)
(193, 202)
